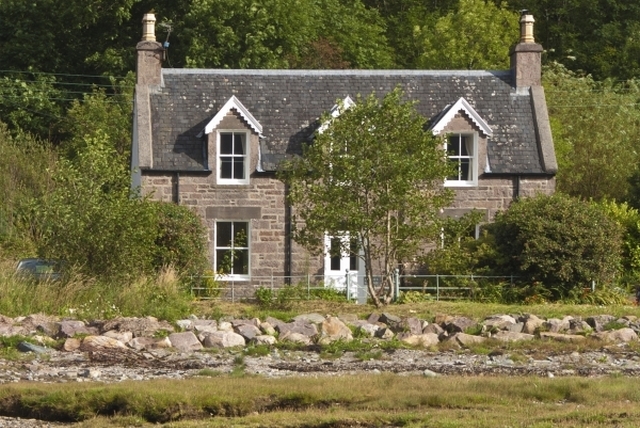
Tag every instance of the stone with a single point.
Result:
(433, 328)
(185, 342)
(146, 343)
(264, 339)
(598, 322)
(510, 336)
(623, 335)
(122, 336)
(295, 338)
(411, 325)
(531, 323)
(223, 339)
(465, 339)
(561, 337)
(312, 318)
(390, 320)
(429, 373)
(333, 329)
(459, 325)
(225, 326)
(248, 331)
(367, 329)
(301, 326)
(499, 322)
(425, 340)
(185, 324)
(147, 326)
(71, 344)
(98, 343)
(267, 328)
(385, 333)
(30, 347)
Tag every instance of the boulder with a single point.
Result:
(561, 337)
(140, 327)
(333, 329)
(510, 336)
(71, 328)
(100, 343)
(264, 339)
(459, 325)
(411, 325)
(185, 342)
(71, 344)
(223, 339)
(122, 336)
(248, 331)
(531, 323)
(425, 340)
(465, 339)
(295, 338)
(623, 335)
(598, 322)
(146, 343)
(311, 318)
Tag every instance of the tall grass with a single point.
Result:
(162, 296)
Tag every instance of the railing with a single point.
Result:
(437, 287)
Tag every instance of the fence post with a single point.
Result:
(348, 284)
(437, 288)
(396, 283)
(233, 291)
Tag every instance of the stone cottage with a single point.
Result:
(212, 140)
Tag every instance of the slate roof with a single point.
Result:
(288, 103)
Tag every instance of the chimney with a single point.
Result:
(526, 56)
(150, 53)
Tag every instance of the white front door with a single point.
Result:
(341, 264)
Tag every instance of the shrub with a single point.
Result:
(561, 242)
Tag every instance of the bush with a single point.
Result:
(561, 242)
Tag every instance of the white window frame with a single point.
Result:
(473, 159)
(232, 247)
(246, 156)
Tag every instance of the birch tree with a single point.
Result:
(376, 173)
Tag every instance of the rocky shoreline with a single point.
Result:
(145, 348)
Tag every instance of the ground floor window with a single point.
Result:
(232, 248)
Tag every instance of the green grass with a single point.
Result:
(366, 400)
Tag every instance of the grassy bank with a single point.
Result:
(371, 401)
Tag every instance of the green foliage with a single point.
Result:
(26, 164)
(629, 219)
(477, 35)
(283, 34)
(90, 219)
(561, 242)
(386, 196)
(181, 241)
(596, 140)
(414, 297)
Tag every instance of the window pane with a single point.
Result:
(465, 169)
(334, 251)
(456, 173)
(464, 145)
(240, 234)
(238, 168)
(225, 167)
(223, 261)
(226, 144)
(223, 234)
(453, 148)
(240, 262)
(238, 144)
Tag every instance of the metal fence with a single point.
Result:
(437, 287)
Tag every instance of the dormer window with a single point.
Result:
(461, 128)
(462, 152)
(233, 157)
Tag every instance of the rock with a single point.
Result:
(295, 338)
(185, 342)
(459, 325)
(248, 331)
(531, 323)
(425, 340)
(40, 323)
(30, 347)
(411, 325)
(185, 324)
(310, 318)
(510, 336)
(147, 343)
(223, 339)
(225, 326)
(264, 339)
(98, 343)
(499, 322)
(623, 335)
(147, 326)
(301, 326)
(561, 337)
(467, 339)
(122, 336)
(333, 329)
(385, 333)
(392, 321)
(71, 344)
(367, 329)
(598, 322)
(267, 328)
(71, 328)
(429, 373)
(433, 328)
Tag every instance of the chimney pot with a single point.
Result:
(526, 29)
(149, 27)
